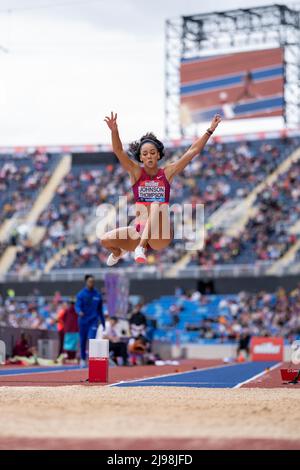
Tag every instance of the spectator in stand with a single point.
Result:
(22, 348)
(19, 179)
(138, 322)
(60, 326)
(137, 349)
(175, 311)
(71, 331)
(178, 291)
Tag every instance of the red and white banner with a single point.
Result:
(266, 349)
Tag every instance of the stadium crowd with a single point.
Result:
(21, 176)
(224, 171)
(129, 344)
(260, 314)
(267, 235)
(194, 317)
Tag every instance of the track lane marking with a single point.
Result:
(257, 375)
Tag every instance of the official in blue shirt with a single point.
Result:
(90, 310)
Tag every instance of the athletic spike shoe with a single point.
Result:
(140, 255)
(112, 259)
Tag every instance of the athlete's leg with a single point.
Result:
(83, 333)
(92, 329)
(157, 232)
(125, 238)
(160, 244)
(151, 227)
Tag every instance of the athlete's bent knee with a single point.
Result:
(104, 241)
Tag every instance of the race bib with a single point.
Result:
(152, 191)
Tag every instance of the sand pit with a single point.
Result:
(154, 412)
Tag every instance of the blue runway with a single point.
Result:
(227, 376)
(37, 370)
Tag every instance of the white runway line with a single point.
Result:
(258, 375)
(19, 374)
(220, 366)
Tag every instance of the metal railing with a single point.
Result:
(230, 270)
(147, 272)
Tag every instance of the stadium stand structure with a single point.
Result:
(228, 179)
(189, 317)
(257, 218)
(232, 217)
(210, 319)
(28, 218)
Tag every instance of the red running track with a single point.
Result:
(272, 379)
(147, 444)
(116, 374)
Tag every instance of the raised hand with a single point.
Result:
(215, 122)
(111, 121)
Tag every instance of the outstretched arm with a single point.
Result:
(128, 164)
(177, 167)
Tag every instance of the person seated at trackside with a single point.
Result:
(117, 347)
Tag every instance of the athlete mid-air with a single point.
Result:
(151, 189)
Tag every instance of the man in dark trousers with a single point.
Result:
(90, 310)
(244, 342)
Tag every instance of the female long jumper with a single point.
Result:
(151, 189)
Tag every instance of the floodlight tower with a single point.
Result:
(233, 30)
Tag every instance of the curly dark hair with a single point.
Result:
(135, 147)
